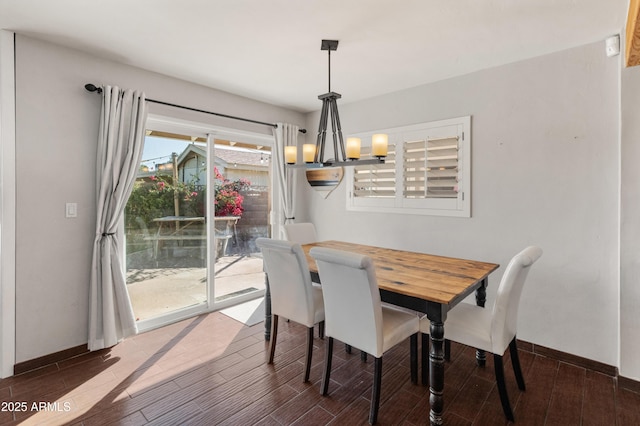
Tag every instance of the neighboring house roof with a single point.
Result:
(228, 156)
(251, 158)
(192, 148)
(225, 157)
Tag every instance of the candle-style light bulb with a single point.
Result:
(353, 148)
(290, 154)
(308, 153)
(379, 145)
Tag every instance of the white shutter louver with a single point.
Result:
(376, 180)
(431, 168)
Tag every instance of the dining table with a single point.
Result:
(427, 283)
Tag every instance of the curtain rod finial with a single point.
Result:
(93, 88)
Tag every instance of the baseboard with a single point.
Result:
(609, 370)
(43, 361)
(590, 364)
(579, 361)
(630, 384)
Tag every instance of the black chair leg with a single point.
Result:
(274, 336)
(363, 354)
(324, 387)
(425, 359)
(481, 358)
(502, 388)
(413, 341)
(375, 392)
(515, 361)
(321, 329)
(307, 363)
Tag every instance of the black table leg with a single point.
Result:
(436, 316)
(481, 298)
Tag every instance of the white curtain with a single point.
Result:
(120, 142)
(285, 135)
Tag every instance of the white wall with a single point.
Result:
(57, 125)
(7, 204)
(630, 226)
(545, 171)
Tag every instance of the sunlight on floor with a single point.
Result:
(140, 364)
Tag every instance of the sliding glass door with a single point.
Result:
(241, 179)
(198, 205)
(166, 229)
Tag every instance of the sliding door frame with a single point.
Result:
(211, 132)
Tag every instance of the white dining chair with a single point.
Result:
(301, 233)
(293, 295)
(305, 233)
(355, 316)
(493, 330)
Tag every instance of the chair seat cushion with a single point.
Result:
(397, 325)
(469, 324)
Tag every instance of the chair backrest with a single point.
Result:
(504, 323)
(352, 309)
(289, 280)
(301, 233)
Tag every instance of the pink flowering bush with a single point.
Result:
(228, 201)
(156, 198)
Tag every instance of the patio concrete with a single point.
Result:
(156, 291)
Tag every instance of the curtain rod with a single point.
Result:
(93, 88)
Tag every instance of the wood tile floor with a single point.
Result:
(211, 370)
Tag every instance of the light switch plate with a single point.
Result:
(71, 210)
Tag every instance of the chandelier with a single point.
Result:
(313, 155)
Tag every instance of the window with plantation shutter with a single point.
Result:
(431, 168)
(426, 172)
(375, 180)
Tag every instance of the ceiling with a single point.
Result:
(270, 50)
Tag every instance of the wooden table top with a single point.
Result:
(434, 278)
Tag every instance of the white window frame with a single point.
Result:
(460, 206)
